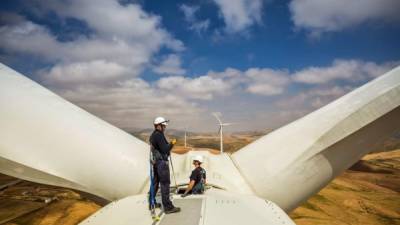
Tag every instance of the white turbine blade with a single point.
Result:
(227, 124)
(247, 210)
(305, 155)
(217, 117)
(46, 139)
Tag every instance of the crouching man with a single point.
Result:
(197, 178)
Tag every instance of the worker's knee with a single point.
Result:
(163, 172)
(165, 184)
(162, 166)
(164, 179)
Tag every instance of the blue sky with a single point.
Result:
(260, 63)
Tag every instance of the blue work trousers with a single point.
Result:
(162, 177)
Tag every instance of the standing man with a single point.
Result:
(161, 150)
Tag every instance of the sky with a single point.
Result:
(259, 64)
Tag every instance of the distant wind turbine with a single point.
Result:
(185, 139)
(221, 125)
(186, 128)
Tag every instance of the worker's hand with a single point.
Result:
(173, 141)
(184, 195)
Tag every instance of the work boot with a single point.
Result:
(173, 209)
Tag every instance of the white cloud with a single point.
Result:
(132, 104)
(203, 87)
(267, 82)
(327, 84)
(230, 76)
(94, 72)
(99, 71)
(190, 17)
(334, 15)
(348, 70)
(29, 38)
(171, 65)
(240, 14)
(320, 96)
(289, 108)
(122, 34)
(258, 81)
(228, 73)
(200, 26)
(112, 20)
(189, 12)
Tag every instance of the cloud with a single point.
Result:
(171, 65)
(132, 104)
(240, 14)
(267, 82)
(122, 34)
(347, 70)
(325, 84)
(284, 100)
(257, 81)
(112, 20)
(190, 17)
(334, 15)
(203, 87)
(100, 70)
(189, 12)
(311, 99)
(294, 106)
(94, 72)
(29, 38)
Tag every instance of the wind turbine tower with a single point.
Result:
(185, 138)
(185, 128)
(221, 135)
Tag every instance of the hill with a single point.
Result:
(232, 141)
(368, 193)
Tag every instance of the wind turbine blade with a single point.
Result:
(29, 136)
(219, 130)
(357, 122)
(227, 124)
(216, 116)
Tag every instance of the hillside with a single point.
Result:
(27, 203)
(232, 141)
(367, 193)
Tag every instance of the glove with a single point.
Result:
(173, 141)
(184, 195)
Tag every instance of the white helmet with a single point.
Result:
(161, 120)
(198, 158)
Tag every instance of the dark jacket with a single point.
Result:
(160, 145)
(198, 176)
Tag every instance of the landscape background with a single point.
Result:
(367, 193)
(258, 63)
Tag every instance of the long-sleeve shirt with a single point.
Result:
(160, 144)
